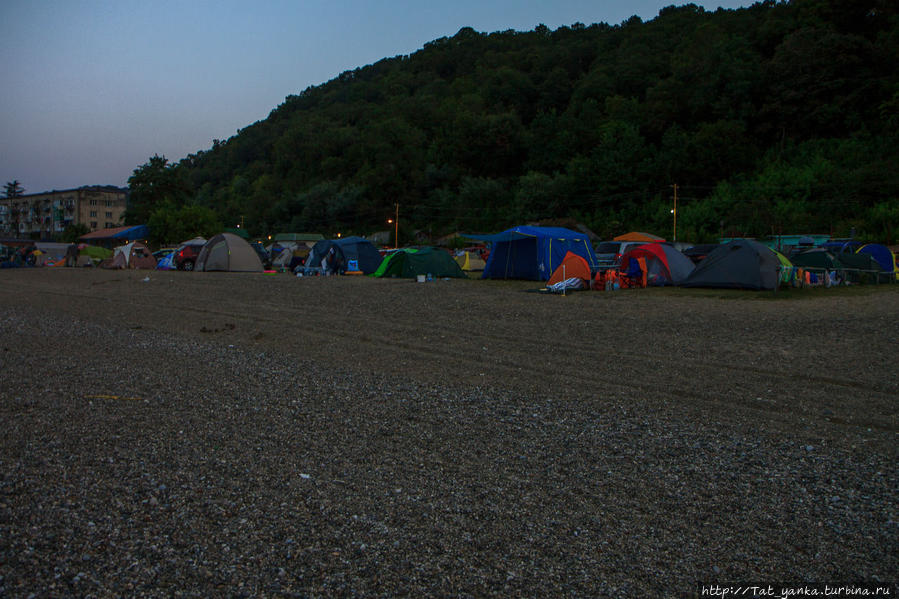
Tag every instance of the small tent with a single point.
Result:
(738, 264)
(533, 253)
(409, 263)
(288, 254)
(664, 264)
(228, 252)
(469, 261)
(167, 262)
(573, 266)
(132, 255)
(92, 255)
(338, 255)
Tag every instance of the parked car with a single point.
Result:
(608, 253)
(186, 255)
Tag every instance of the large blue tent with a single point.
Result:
(532, 253)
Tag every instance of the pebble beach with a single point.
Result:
(171, 434)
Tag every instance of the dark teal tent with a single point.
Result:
(349, 253)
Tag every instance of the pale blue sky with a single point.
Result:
(93, 88)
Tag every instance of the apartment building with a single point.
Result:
(44, 215)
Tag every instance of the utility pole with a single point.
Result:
(395, 221)
(674, 212)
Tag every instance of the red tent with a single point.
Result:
(664, 264)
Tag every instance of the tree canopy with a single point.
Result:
(779, 117)
(152, 185)
(13, 189)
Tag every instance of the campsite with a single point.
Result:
(320, 436)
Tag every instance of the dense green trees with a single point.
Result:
(170, 223)
(152, 185)
(781, 117)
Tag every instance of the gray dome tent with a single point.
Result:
(739, 264)
(229, 252)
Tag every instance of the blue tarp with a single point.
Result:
(109, 236)
(135, 232)
(532, 253)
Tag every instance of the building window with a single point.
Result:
(93, 224)
(93, 214)
(108, 203)
(93, 202)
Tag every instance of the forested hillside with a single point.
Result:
(781, 117)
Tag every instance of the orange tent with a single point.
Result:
(638, 236)
(572, 266)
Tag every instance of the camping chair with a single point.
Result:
(634, 276)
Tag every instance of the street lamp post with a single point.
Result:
(674, 214)
(396, 222)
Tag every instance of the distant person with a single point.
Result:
(72, 255)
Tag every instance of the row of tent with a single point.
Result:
(738, 264)
(540, 253)
(526, 252)
(348, 255)
(358, 256)
(53, 254)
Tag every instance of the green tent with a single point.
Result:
(861, 267)
(409, 263)
(89, 255)
(818, 259)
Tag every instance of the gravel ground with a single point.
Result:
(213, 434)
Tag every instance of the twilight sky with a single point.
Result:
(93, 88)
